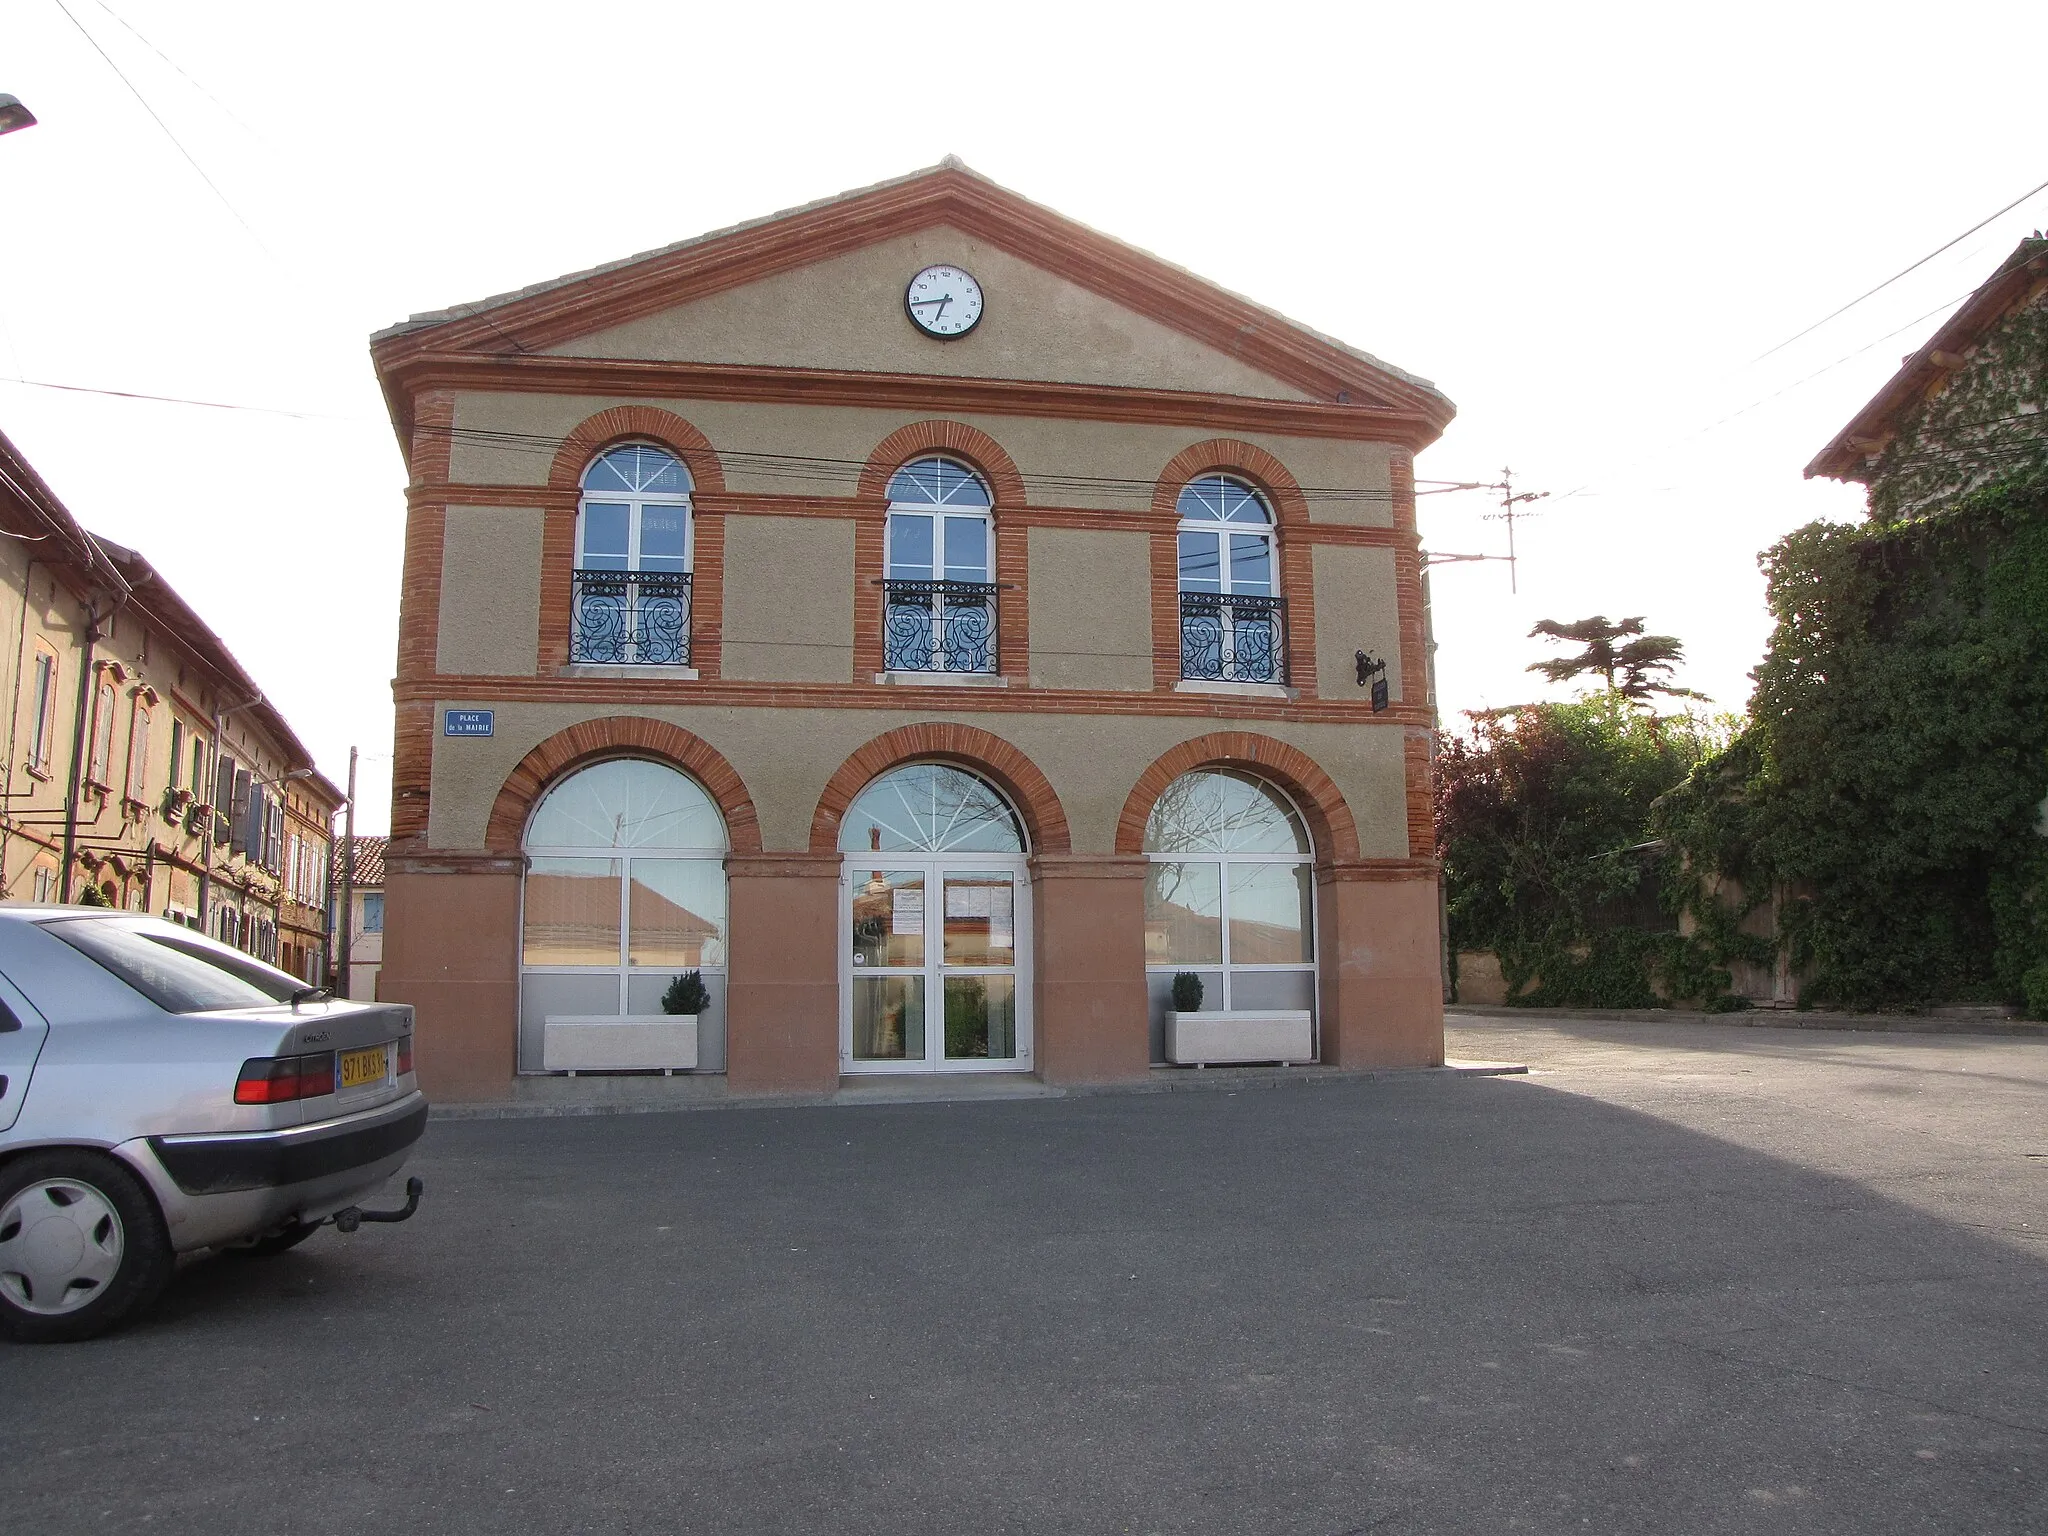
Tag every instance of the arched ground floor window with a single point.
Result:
(935, 927)
(1229, 896)
(624, 894)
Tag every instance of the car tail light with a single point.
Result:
(405, 1056)
(281, 1079)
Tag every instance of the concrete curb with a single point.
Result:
(982, 1090)
(1770, 1018)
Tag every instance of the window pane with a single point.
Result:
(1251, 563)
(910, 548)
(1269, 914)
(966, 549)
(929, 808)
(613, 472)
(888, 917)
(1200, 562)
(888, 1018)
(1183, 914)
(177, 973)
(572, 912)
(1210, 811)
(677, 912)
(661, 538)
(604, 535)
(981, 1018)
(629, 803)
(981, 920)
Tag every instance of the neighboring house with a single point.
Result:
(930, 619)
(366, 933)
(1970, 407)
(144, 769)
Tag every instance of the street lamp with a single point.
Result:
(13, 114)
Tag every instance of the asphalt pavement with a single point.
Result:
(1680, 1278)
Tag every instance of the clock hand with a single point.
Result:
(942, 303)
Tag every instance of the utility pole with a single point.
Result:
(348, 881)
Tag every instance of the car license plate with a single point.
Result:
(360, 1067)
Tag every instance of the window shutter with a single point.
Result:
(138, 753)
(96, 769)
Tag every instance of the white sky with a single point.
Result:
(1581, 222)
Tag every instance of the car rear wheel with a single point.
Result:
(82, 1245)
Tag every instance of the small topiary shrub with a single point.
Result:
(1187, 993)
(687, 994)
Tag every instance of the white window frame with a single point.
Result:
(635, 502)
(1203, 856)
(936, 513)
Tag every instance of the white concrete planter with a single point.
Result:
(1272, 1034)
(619, 1043)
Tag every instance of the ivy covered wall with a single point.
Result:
(1892, 780)
(1987, 424)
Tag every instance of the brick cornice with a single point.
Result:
(960, 200)
(1330, 822)
(762, 384)
(966, 746)
(1018, 699)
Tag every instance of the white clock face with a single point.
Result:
(943, 301)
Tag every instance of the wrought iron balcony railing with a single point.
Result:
(1233, 638)
(939, 626)
(630, 618)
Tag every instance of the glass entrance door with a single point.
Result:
(937, 957)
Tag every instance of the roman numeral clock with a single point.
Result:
(943, 301)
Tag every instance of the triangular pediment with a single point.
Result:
(847, 312)
(822, 288)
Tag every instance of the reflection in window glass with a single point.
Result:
(1183, 914)
(929, 808)
(1269, 914)
(676, 912)
(888, 1018)
(888, 917)
(1219, 812)
(627, 803)
(981, 920)
(572, 912)
(981, 1018)
(176, 972)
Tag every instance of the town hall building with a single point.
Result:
(904, 634)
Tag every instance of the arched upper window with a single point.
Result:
(1229, 892)
(1231, 614)
(930, 808)
(634, 549)
(941, 598)
(624, 891)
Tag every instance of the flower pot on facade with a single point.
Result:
(1240, 1035)
(633, 1042)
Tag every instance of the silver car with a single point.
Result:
(162, 1093)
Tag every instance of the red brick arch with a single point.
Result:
(1321, 802)
(1045, 820)
(621, 736)
(626, 422)
(1230, 456)
(953, 438)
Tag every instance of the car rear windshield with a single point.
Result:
(178, 974)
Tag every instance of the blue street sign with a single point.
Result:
(467, 722)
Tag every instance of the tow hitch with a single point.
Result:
(349, 1217)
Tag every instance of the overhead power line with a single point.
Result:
(211, 405)
(197, 168)
(1916, 266)
(226, 110)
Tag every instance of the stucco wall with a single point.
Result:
(847, 312)
(788, 599)
(1356, 609)
(490, 591)
(1123, 458)
(1091, 609)
(785, 756)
